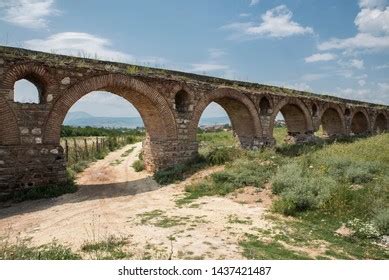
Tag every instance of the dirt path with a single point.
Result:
(114, 200)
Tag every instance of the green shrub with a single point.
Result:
(221, 155)
(286, 177)
(170, 175)
(349, 171)
(362, 172)
(300, 191)
(244, 173)
(381, 221)
(285, 206)
(138, 165)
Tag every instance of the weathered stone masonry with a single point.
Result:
(170, 104)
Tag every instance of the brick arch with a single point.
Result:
(332, 120)
(381, 123)
(36, 74)
(240, 109)
(297, 116)
(360, 122)
(9, 131)
(154, 109)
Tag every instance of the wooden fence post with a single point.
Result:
(75, 149)
(86, 148)
(66, 150)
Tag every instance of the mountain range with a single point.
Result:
(83, 119)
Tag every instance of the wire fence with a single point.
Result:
(79, 149)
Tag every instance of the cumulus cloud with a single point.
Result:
(79, 44)
(373, 21)
(27, 13)
(320, 57)
(373, 29)
(276, 22)
(361, 83)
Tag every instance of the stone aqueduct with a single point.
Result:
(170, 104)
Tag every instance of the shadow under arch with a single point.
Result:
(332, 120)
(155, 112)
(360, 122)
(297, 117)
(381, 123)
(240, 110)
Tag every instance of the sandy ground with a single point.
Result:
(114, 200)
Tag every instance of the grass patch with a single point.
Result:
(41, 192)
(234, 219)
(23, 251)
(158, 218)
(241, 173)
(255, 249)
(312, 227)
(128, 152)
(110, 249)
(116, 162)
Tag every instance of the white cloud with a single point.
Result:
(276, 23)
(27, 13)
(373, 29)
(254, 2)
(360, 41)
(373, 21)
(244, 15)
(208, 67)
(79, 44)
(320, 57)
(361, 83)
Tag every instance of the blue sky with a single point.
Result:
(333, 47)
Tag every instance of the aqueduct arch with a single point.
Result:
(297, 117)
(239, 108)
(170, 103)
(380, 123)
(332, 121)
(360, 123)
(153, 108)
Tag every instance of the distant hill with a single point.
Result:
(84, 119)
